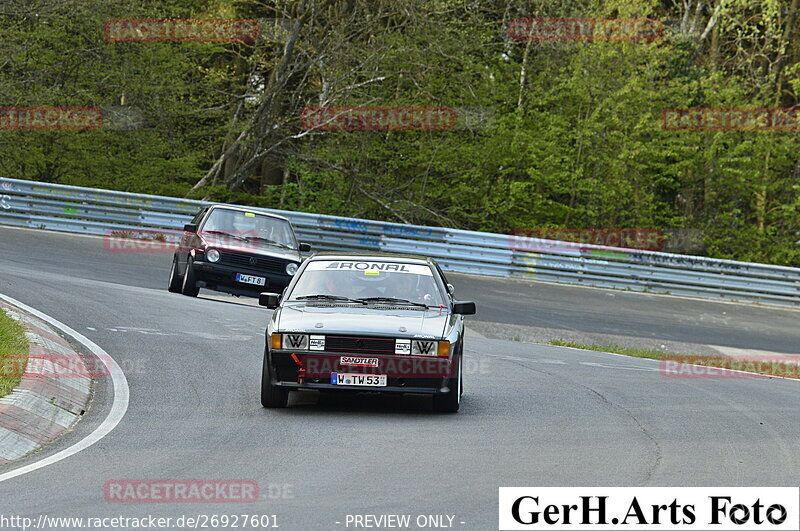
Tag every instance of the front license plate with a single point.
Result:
(363, 380)
(250, 279)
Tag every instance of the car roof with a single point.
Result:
(376, 257)
(247, 209)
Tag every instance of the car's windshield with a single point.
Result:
(241, 226)
(372, 281)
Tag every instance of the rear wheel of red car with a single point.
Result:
(189, 281)
(450, 401)
(175, 280)
(271, 395)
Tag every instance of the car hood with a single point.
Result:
(351, 319)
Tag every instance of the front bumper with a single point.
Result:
(405, 373)
(434, 390)
(222, 277)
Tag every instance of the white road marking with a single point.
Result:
(618, 367)
(203, 335)
(118, 407)
(144, 331)
(241, 301)
(219, 337)
(534, 360)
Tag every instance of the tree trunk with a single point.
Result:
(283, 186)
(714, 53)
(271, 174)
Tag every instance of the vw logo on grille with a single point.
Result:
(359, 343)
(253, 260)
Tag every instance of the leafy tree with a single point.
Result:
(549, 134)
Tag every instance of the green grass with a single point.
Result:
(13, 353)
(634, 352)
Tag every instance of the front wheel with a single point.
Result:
(450, 401)
(271, 395)
(189, 287)
(175, 280)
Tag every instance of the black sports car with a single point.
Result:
(366, 322)
(235, 250)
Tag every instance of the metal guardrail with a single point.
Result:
(95, 211)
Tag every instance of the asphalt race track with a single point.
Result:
(532, 415)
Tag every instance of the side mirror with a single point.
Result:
(451, 289)
(464, 308)
(304, 248)
(270, 300)
(190, 227)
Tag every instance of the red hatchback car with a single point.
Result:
(235, 250)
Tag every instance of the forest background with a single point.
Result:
(548, 134)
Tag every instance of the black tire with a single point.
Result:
(189, 287)
(450, 402)
(271, 395)
(175, 280)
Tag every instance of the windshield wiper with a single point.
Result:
(222, 233)
(327, 297)
(267, 240)
(392, 299)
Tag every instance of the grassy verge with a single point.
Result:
(634, 352)
(13, 353)
(682, 365)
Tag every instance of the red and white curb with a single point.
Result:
(52, 395)
(115, 411)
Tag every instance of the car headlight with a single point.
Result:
(294, 341)
(212, 255)
(423, 348)
(297, 341)
(429, 348)
(291, 268)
